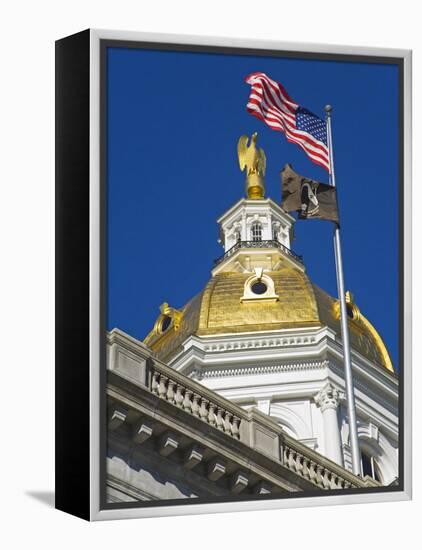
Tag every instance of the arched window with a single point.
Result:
(369, 467)
(275, 233)
(256, 232)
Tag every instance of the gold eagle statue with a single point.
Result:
(254, 161)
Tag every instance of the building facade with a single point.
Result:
(263, 335)
(170, 438)
(242, 390)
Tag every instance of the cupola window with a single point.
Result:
(256, 232)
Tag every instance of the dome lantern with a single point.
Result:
(256, 233)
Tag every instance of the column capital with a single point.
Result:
(328, 397)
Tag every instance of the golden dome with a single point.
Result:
(218, 309)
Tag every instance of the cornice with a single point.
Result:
(216, 372)
(259, 342)
(371, 368)
(253, 341)
(204, 353)
(255, 203)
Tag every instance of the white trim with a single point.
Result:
(251, 205)
(193, 508)
(221, 507)
(407, 282)
(229, 42)
(94, 271)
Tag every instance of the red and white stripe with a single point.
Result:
(270, 102)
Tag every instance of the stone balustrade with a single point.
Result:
(133, 361)
(317, 469)
(167, 386)
(313, 471)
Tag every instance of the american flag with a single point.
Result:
(270, 102)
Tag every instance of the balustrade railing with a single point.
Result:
(312, 467)
(296, 457)
(194, 402)
(258, 244)
(216, 411)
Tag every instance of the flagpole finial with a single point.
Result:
(328, 109)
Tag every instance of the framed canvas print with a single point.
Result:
(233, 275)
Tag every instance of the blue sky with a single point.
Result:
(174, 120)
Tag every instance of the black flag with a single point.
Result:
(309, 198)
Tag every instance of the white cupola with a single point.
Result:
(255, 233)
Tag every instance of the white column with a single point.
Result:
(328, 399)
(243, 229)
(269, 235)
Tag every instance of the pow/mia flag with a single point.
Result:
(309, 198)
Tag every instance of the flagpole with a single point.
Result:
(351, 411)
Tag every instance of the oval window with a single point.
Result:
(350, 311)
(259, 287)
(165, 323)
